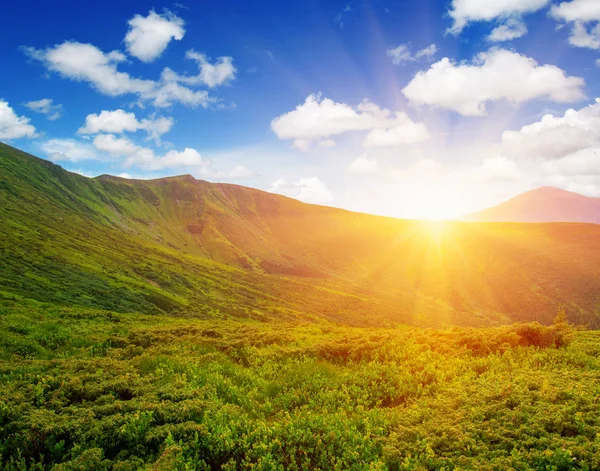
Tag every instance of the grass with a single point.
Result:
(101, 390)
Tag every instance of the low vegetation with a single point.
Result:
(91, 389)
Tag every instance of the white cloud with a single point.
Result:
(211, 75)
(582, 37)
(555, 137)
(116, 146)
(597, 62)
(69, 150)
(319, 118)
(427, 52)
(86, 63)
(13, 126)
(464, 12)
(46, 106)
(149, 36)
(309, 190)
(119, 121)
(401, 53)
(580, 13)
(513, 28)
(582, 162)
(467, 87)
(144, 157)
(577, 10)
(405, 131)
(364, 164)
(116, 121)
(187, 158)
(169, 93)
(497, 169)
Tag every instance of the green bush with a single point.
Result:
(151, 392)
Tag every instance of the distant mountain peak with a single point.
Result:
(544, 204)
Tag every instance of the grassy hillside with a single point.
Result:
(176, 324)
(188, 247)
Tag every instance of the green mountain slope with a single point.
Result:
(191, 248)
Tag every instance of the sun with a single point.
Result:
(435, 203)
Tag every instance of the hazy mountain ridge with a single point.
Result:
(545, 204)
(189, 247)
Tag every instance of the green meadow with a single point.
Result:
(91, 389)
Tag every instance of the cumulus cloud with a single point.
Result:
(116, 146)
(464, 12)
(121, 150)
(401, 53)
(405, 131)
(555, 137)
(144, 157)
(497, 168)
(211, 75)
(318, 119)
(467, 87)
(580, 13)
(582, 37)
(13, 126)
(86, 63)
(148, 36)
(69, 150)
(577, 10)
(582, 162)
(307, 189)
(46, 106)
(364, 164)
(568, 147)
(119, 121)
(513, 28)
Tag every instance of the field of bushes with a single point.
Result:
(91, 389)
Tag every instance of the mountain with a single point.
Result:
(186, 247)
(546, 204)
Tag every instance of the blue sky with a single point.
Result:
(401, 108)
